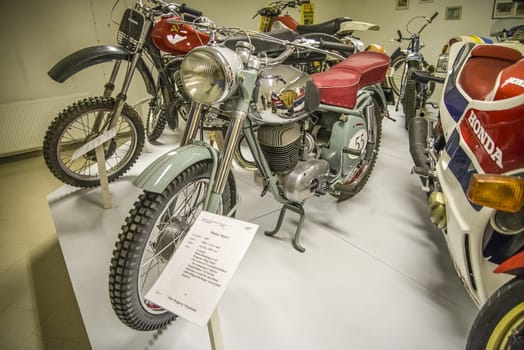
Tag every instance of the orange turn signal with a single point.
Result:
(501, 192)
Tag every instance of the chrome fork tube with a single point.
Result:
(194, 117)
(226, 159)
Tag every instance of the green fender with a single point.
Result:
(159, 174)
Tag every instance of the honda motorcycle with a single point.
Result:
(309, 135)
(471, 163)
(145, 39)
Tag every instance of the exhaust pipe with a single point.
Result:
(418, 133)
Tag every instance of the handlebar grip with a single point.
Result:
(433, 17)
(399, 33)
(190, 11)
(329, 45)
(300, 2)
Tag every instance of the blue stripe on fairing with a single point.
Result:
(455, 103)
(460, 164)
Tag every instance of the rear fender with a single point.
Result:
(378, 93)
(159, 174)
(513, 265)
(89, 56)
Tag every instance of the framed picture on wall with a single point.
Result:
(401, 4)
(453, 13)
(507, 9)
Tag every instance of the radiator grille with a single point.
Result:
(23, 124)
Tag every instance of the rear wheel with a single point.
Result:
(156, 116)
(81, 123)
(500, 322)
(152, 232)
(366, 163)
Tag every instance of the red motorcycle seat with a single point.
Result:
(479, 74)
(339, 85)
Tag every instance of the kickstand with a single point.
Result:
(297, 208)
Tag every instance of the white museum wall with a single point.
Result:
(38, 33)
(476, 20)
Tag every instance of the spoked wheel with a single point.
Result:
(366, 160)
(396, 70)
(83, 122)
(152, 232)
(156, 116)
(500, 323)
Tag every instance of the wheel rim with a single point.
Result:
(395, 75)
(508, 330)
(118, 151)
(167, 234)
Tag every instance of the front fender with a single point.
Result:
(90, 56)
(159, 174)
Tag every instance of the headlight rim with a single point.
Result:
(229, 63)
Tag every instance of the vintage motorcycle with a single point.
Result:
(149, 45)
(340, 29)
(413, 95)
(309, 135)
(471, 164)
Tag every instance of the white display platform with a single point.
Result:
(375, 275)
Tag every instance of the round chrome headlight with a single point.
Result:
(209, 74)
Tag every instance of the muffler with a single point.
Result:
(418, 133)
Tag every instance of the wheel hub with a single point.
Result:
(164, 245)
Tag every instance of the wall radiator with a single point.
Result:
(23, 124)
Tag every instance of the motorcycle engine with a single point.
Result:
(281, 144)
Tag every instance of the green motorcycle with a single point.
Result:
(309, 135)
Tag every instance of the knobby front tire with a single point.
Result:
(152, 232)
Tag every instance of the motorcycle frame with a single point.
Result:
(159, 174)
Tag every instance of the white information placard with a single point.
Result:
(197, 275)
(94, 143)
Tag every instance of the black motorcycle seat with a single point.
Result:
(329, 27)
(262, 45)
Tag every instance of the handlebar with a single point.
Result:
(433, 17)
(329, 45)
(275, 8)
(190, 11)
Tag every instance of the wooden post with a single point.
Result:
(215, 334)
(102, 173)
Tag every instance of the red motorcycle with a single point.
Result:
(149, 44)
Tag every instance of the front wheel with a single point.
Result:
(409, 102)
(365, 163)
(500, 322)
(152, 232)
(81, 123)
